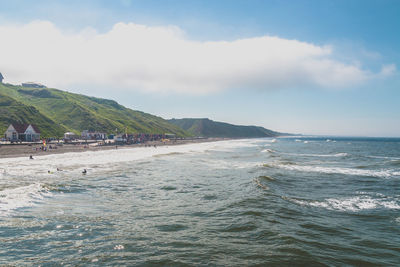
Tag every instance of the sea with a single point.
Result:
(294, 201)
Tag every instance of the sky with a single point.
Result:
(307, 67)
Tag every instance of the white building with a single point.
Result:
(22, 132)
(70, 136)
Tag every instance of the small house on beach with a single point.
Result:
(22, 132)
(88, 135)
(70, 136)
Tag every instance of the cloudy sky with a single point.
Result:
(311, 67)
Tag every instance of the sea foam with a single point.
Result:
(23, 196)
(337, 170)
(316, 155)
(353, 204)
(98, 161)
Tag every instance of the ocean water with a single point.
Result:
(267, 202)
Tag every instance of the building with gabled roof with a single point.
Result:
(22, 132)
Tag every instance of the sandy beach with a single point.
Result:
(26, 150)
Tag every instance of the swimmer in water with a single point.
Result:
(84, 171)
(30, 157)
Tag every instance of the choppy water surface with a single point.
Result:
(311, 201)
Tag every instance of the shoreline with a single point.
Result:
(16, 151)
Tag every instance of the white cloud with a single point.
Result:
(161, 59)
(388, 70)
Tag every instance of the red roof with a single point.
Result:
(35, 128)
(21, 128)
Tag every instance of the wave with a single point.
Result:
(260, 184)
(353, 204)
(74, 162)
(382, 157)
(317, 155)
(395, 163)
(223, 164)
(267, 178)
(21, 197)
(337, 170)
(340, 154)
(268, 151)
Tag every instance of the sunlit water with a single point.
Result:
(289, 201)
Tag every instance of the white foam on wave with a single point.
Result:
(353, 204)
(338, 170)
(73, 163)
(268, 151)
(341, 154)
(382, 157)
(225, 165)
(32, 174)
(316, 155)
(20, 197)
(228, 145)
(268, 140)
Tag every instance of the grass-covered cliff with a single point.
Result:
(55, 111)
(209, 128)
(13, 111)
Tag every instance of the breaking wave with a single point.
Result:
(337, 170)
(316, 155)
(268, 151)
(20, 197)
(353, 204)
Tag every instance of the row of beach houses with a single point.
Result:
(30, 133)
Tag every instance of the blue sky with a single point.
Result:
(361, 36)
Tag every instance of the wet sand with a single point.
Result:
(24, 150)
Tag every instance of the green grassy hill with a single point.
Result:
(66, 111)
(12, 111)
(209, 128)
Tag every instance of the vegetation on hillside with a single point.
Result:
(209, 128)
(12, 111)
(66, 111)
